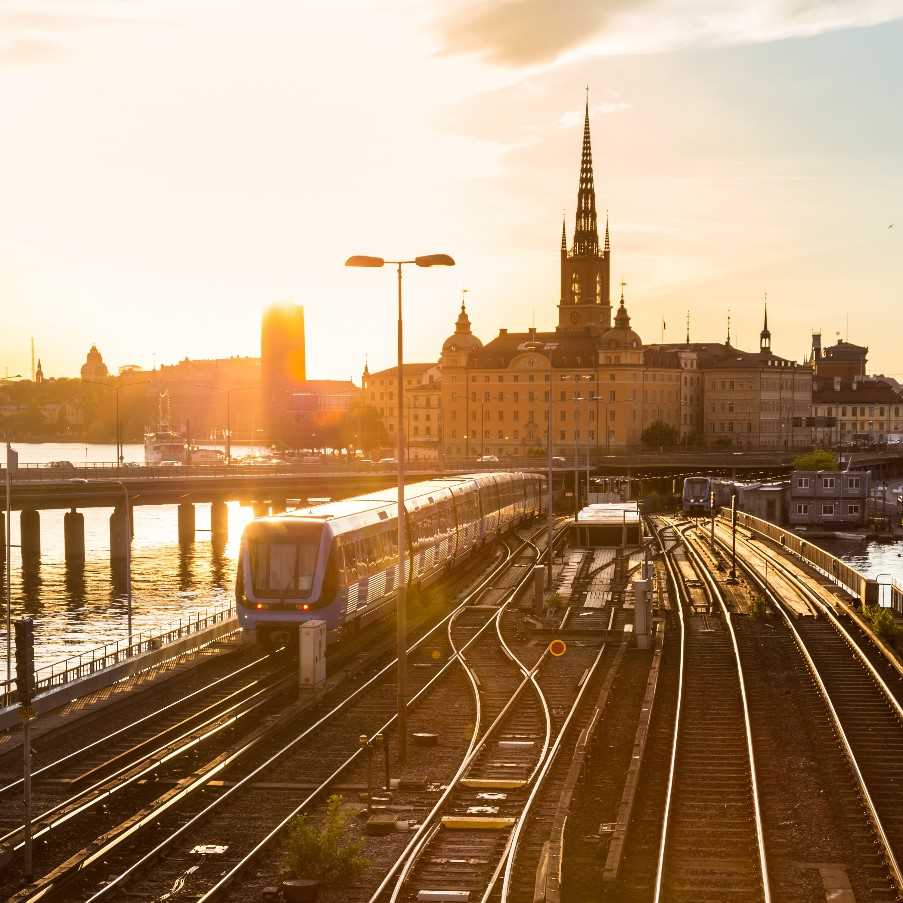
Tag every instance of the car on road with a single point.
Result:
(385, 462)
(65, 466)
(558, 461)
(488, 459)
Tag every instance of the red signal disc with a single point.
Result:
(557, 647)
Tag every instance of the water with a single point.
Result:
(76, 608)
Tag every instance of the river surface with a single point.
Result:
(76, 608)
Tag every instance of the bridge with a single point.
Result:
(269, 487)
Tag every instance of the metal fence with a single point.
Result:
(865, 589)
(94, 660)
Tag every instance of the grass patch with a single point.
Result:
(882, 621)
(325, 850)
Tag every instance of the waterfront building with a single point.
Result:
(850, 411)
(422, 405)
(94, 369)
(283, 362)
(829, 498)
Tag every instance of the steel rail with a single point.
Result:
(680, 597)
(779, 606)
(203, 779)
(510, 854)
(227, 879)
(84, 800)
(106, 738)
(427, 830)
(715, 592)
(529, 676)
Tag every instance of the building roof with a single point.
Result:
(408, 370)
(844, 351)
(565, 349)
(850, 391)
(721, 356)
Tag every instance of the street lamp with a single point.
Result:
(128, 542)
(429, 260)
(228, 392)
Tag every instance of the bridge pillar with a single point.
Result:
(277, 506)
(74, 535)
(30, 533)
(219, 518)
(120, 534)
(186, 522)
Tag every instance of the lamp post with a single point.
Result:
(10, 458)
(116, 390)
(228, 392)
(428, 260)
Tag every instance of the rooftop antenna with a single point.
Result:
(847, 339)
(728, 326)
(688, 327)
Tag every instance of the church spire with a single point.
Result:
(586, 233)
(564, 235)
(607, 246)
(765, 334)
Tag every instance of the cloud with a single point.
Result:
(523, 33)
(36, 33)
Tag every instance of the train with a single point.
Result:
(697, 495)
(338, 562)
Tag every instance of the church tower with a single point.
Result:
(585, 269)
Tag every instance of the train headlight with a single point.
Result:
(304, 607)
(260, 606)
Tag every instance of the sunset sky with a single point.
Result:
(169, 168)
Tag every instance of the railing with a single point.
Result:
(94, 660)
(863, 588)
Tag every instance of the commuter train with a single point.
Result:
(338, 562)
(697, 495)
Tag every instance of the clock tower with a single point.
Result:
(585, 270)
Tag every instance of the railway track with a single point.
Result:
(213, 799)
(712, 844)
(467, 845)
(863, 703)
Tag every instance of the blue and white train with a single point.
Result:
(338, 562)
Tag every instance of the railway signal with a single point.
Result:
(558, 647)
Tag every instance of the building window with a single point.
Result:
(827, 510)
(803, 483)
(853, 509)
(827, 483)
(561, 435)
(854, 483)
(802, 508)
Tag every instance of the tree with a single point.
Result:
(819, 459)
(659, 434)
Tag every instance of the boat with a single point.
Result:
(164, 443)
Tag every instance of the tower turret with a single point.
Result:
(765, 335)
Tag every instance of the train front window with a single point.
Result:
(284, 565)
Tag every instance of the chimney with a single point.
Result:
(503, 332)
(532, 333)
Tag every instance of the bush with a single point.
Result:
(882, 621)
(659, 434)
(326, 851)
(819, 459)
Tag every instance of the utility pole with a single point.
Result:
(25, 687)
